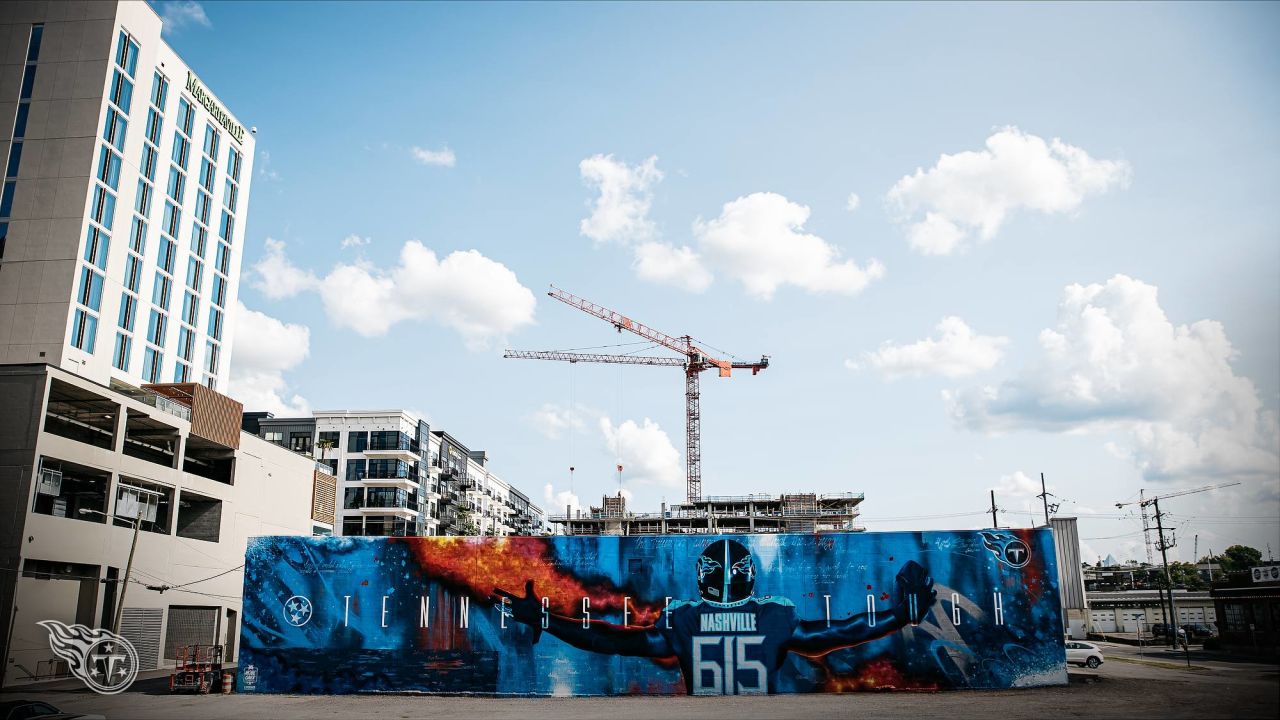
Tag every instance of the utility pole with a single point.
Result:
(1172, 625)
(1044, 495)
(128, 568)
(994, 523)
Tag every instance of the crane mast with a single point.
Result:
(694, 361)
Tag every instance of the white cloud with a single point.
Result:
(267, 348)
(956, 352)
(1018, 486)
(853, 203)
(478, 297)
(621, 212)
(263, 167)
(975, 192)
(759, 239)
(553, 420)
(276, 275)
(558, 501)
(1114, 362)
(645, 452)
(355, 241)
(439, 158)
(679, 266)
(179, 14)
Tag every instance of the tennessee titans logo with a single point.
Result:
(103, 660)
(706, 566)
(1010, 550)
(297, 610)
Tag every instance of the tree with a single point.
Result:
(466, 524)
(1239, 557)
(1184, 575)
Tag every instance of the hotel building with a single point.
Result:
(126, 185)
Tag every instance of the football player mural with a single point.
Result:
(729, 641)
(652, 614)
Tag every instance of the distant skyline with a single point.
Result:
(979, 242)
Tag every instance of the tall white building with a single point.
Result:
(126, 186)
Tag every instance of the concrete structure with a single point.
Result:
(396, 476)
(1075, 606)
(74, 453)
(1247, 607)
(124, 198)
(1133, 611)
(762, 513)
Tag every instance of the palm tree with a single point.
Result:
(324, 445)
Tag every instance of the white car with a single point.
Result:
(1083, 653)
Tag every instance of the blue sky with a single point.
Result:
(1063, 256)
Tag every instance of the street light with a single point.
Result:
(136, 522)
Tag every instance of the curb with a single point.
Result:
(1160, 663)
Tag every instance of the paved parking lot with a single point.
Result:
(1126, 686)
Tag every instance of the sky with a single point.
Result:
(977, 242)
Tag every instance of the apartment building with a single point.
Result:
(397, 476)
(126, 185)
(81, 463)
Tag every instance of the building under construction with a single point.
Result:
(760, 513)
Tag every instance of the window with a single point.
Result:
(132, 272)
(159, 90)
(33, 47)
(181, 372)
(215, 323)
(127, 53)
(160, 292)
(65, 489)
(219, 291)
(228, 225)
(223, 258)
(202, 206)
(155, 329)
(353, 527)
(148, 502)
(177, 184)
(121, 357)
(274, 436)
(128, 308)
(194, 270)
(181, 146)
(28, 82)
(229, 195)
(211, 350)
(138, 236)
(6, 200)
(185, 115)
(152, 360)
(96, 243)
(114, 128)
(15, 159)
(330, 436)
(210, 140)
(184, 346)
(20, 122)
(355, 470)
(143, 203)
(84, 331)
(357, 441)
(233, 164)
(109, 168)
(300, 442)
(103, 211)
(172, 216)
(168, 251)
(190, 305)
(90, 294)
(122, 91)
(149, 156)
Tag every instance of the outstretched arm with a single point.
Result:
(597, 636)
(818, 637)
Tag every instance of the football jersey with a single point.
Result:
(730, 650)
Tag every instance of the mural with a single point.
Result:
(665, 614)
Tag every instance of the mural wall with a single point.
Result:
(698, 614)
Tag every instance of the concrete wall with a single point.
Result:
(271, 495)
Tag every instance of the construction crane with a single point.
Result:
(1163, 545)
(693, 360)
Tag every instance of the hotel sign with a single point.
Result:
(198, 92)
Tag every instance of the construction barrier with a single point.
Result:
(664, 614)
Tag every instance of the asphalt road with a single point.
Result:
(1129, 685)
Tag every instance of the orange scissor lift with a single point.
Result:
(198, 669)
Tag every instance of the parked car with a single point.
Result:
(1083, 653)
(1163, 630)
(36, 710)
(1198, 631)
